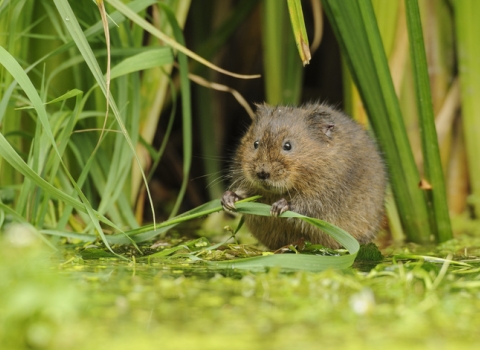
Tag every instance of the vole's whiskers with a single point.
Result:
(217, 180)
(211, 174)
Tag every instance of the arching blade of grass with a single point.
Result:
(285, 262)
(134, 17)
(468, 34)
(440, 219)
(338, 234)
(355, 27)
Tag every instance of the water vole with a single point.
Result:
(313, 160)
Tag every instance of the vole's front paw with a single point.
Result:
(228, 200)
(279, 207)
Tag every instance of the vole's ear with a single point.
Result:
(327, 129)
(322, 121)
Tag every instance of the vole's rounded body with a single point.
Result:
(315, 161)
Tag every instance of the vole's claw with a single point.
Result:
(228, 200)
(279, 207)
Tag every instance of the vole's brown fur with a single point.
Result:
(313, 160)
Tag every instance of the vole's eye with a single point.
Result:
(255, 144)
(287, 146)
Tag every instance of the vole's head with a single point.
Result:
(286, 148)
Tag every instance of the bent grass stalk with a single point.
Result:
(287, 262)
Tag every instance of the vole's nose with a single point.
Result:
(263, 175)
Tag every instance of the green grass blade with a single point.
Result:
(64, 125)
(354, 25)
(336, 233)
(272, 39)
(149, 59)
(157, 155)
(186, 107)
(294, 261)
(440, 218)
(9, 154)
(21, 77)
(283, 71)
(468, 34)
(299, 31)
